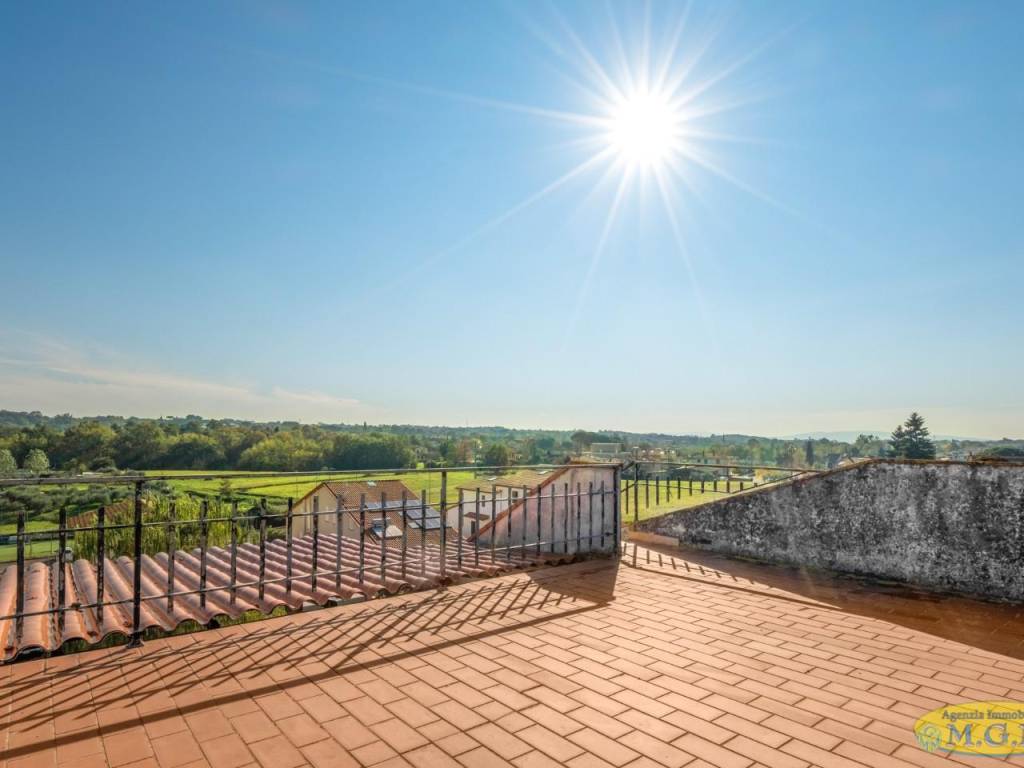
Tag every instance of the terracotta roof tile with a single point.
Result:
(42, 632)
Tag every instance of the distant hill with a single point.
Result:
(849, 435)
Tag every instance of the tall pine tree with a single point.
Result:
(910, 440)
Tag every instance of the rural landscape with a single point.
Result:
(621, 384)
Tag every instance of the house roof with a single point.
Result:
(41, 631)
(531, 478)
(351, 493)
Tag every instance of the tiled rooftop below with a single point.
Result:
(665, 659)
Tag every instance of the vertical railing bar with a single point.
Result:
(508, 528)
(522, 535)
(554, 494)
(383, 538)
(462, 522)
(203, 509)
(405, 532)
(20, 599)
(62, 545)
(565, 520)
(263, 547)
(476, 528)
(337, 543)
(540, 524)
(647, 490)
(603, 528)
(172, 552)
(657, 490)
(233, 522)
(316, 542)
(636, 494)
(494, 520)
(101, 560)
(617, 508)
(590, 516)
(136, 638)
(444, 523)
(579, 516)
(288, 544)
(362, 535)
(423, 532)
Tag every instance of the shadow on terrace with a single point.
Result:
(68, 701)
(995, 627)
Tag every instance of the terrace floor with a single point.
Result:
(667, 658)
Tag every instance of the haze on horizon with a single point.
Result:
(771, 220)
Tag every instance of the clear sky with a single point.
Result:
(767, 218)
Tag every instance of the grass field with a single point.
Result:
(283, 488)
(679, 500)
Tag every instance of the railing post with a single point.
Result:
(233, 522)
(476, 528)
(289, 522)
(203, 507)
(362, 535)
(554, 495)
(617, 507)
(337, 542)
(579, 517)
(383, 538)
(263, 547)
(522, 537)
(316, 542)
(172, 552)
(101, 560)
(508, 528)
(423, 532)
(603, 527)
(62, 545)
(405, 532)
(20, 599)
(444, 523)
(136, 638)
(540, 504)
(462, 522)
(494, 519)
(590, 516)
(636, 494)
(565, 519)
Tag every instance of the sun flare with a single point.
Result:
(644, 129)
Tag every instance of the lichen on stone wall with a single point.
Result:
(954, 526)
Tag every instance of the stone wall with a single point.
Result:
(952, 526)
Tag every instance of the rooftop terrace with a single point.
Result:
(663, 658)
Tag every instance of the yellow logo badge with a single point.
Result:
(993, 728)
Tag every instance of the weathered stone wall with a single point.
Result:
(947, 525)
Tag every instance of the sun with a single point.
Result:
(644, 129)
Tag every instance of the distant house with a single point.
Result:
(497, 493)
(382, 519)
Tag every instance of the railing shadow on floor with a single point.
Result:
(189, 673)
(982, 624)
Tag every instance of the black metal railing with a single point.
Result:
(651, 488)
(185, 551)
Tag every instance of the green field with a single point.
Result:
(654, 507)
(280, 488)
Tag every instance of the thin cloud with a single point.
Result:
(45, 374)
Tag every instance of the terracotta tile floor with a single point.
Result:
(665, 659)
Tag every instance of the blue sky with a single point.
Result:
(316, 211)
